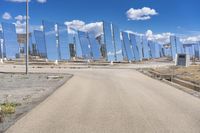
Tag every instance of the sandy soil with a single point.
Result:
(191, 74)
(28, 90)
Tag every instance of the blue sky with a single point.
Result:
(181, 17)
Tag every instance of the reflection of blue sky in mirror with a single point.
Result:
(108, 41)
(64, 51)
(10, 40)
(50, 39)
(117, 42)
(127, 45)
(40, 43)
(85, 44)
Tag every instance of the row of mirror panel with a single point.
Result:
(55, 43)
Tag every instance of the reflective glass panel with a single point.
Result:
(51, 41)
(74, 39)
(134, 43)
(167, 52)
(179, 45)
(139, 46)
(124, 50)
(173, 46)
(109, 42)
(189, 49)
(30, 44)
(196, 50)
(199, 49)
(117, 42)
(40, 43)
(78, 46)
(128, 46)
(95, 47)
(1, 35)
(152, 46)
(192, 50)
(1, 44)
(85, 45)
(63, 46)
(10, 40)
(158, 50)
(146, 49)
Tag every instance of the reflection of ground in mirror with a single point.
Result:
(27, 91)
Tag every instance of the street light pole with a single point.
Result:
(27, 35)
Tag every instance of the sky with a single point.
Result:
(158, 19)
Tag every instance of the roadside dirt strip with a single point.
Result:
(113, 101)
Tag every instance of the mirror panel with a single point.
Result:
(51, 40)
(118, 43)
(110, 50)
(10, 40)
(63, 41)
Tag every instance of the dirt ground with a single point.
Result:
(191, 73)
(28, 91)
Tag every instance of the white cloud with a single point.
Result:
(19, 17)
(20, 23)
(135, 33)
(162, 38)
(191, 39)
(75, 24)
(7, 16)
(95, 28)
(20, 26)
(42, 1)
(140, 14)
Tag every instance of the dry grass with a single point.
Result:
(7, 109)
(191, 74)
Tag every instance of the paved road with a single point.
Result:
(113, 101)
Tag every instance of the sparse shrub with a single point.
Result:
(8, 108)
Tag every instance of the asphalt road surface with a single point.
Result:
(113, 101)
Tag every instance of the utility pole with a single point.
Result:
(27, 35)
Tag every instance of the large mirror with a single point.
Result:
(134, 43)
(95, 46)
(63, 42)
(51, 40)
(10, 40)
(40, 43)
(152, 49)
(78, 48)
(2, 47)
(173, 46)
(85, 45)
(110, 49)
(179, 45)
(196, 50)
(118, 43)
(146, 49)
(128, 47)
